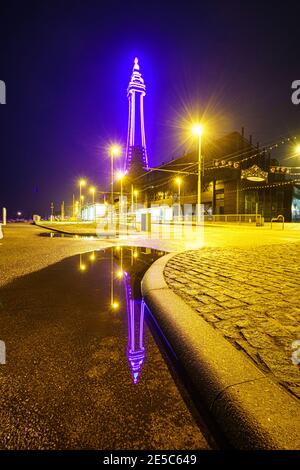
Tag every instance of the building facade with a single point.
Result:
(237, 178)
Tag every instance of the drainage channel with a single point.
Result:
(86, 367)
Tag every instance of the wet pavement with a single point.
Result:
(82, 368)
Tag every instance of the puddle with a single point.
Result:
(82, 367)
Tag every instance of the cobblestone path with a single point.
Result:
(251, 296)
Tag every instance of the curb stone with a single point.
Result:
(250, 409)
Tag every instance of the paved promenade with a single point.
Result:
(250, 295)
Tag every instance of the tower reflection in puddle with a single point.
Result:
(124, 268)
(135, 315)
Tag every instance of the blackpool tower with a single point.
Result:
(136, 153)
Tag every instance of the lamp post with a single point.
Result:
(120, 177)
(178, 181)
(81, 184)
(134, 192)
(198, 131)
(81, 204)
(92, 191)
(114, 152)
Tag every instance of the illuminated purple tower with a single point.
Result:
(136, 153)
(135, 347)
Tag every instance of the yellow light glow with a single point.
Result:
(115, 150)
(117, 248)
(115, 305)
(197, 129)
(92, 257)
(120, 175)
(92, 189)
(178, 180)
(120, 274)
(135, 255)
(82, 183)
(297, 149)
(135, 192)
(82, 267)
(82, 197)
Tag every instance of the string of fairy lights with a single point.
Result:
(227, 160)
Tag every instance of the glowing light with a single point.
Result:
(82, 183)
(297, 149)
(120, 175)
(135, 255)
(92, 189)
(135, 192)
(197, 129)
(82, 197)
(115, 150)
(19, 213)
(118, 248)
(115, 305)
(120, 274)
(92, 257)
(178, 180)
(82, 267)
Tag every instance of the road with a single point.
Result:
(67, 383)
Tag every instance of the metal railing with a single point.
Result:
(235, 218)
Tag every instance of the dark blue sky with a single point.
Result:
(67, 64)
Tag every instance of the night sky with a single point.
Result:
(67, 64)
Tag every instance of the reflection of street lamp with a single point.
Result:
(82, 266)
(178, 181)
(113, 303)
(198, 131)
(114, 152)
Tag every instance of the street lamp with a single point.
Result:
(178, 181)
(92, 191)
(197, 130)
(81, 184)
(297, 149)
(115, 150)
